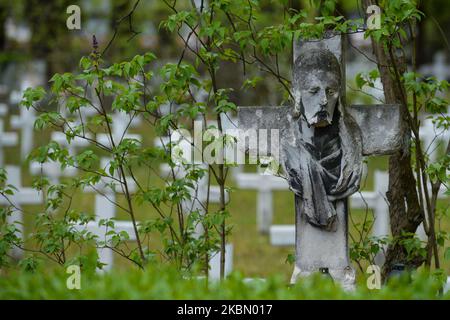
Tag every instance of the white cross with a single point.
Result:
(34, 76)
(105, 208)
(25, 123)
(75, 143)
(438, 68)
(375, 200)
(214, 263)
(265, 185)
(7, 139)
(22, 196)
(433, 137)
(15, 97)
(420, 232)
(198, 199)
(52, 170)
(3, 109)
(120, 125)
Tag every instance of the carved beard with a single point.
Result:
(320, 119)
(323, 120)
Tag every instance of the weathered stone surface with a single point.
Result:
(253, 119)
(321, 144)
(380, 128)
(384, 136)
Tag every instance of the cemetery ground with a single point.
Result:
(253, 255)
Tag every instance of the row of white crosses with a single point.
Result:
(24, 122)
(104, 202)
(199, 196)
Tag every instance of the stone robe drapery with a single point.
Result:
(326, 170)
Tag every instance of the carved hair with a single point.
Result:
(311, 61)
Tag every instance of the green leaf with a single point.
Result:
(447, 253)
(360, 81)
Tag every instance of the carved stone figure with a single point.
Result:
(320, 149)
(324, 163)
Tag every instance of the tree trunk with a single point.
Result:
(3, 17)
(404, 209)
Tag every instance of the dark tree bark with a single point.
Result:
(405, 211)
(3, 16)
(421, 53)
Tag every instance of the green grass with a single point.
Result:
(163, 283)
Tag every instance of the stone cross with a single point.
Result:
(7, 139)
(321, 144)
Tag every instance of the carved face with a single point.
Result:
(319, 95)
(316, 86)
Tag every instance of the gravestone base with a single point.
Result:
(317, 248)
(345, 277)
